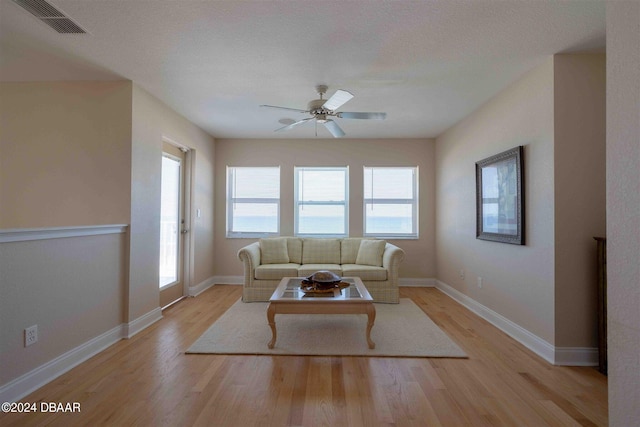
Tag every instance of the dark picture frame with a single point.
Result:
(500, 198)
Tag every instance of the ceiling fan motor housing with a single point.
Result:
(315, 108)
(316, 105)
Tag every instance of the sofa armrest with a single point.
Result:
(250, 257)
(391, 259)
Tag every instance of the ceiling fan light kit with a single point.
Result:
(321, 110)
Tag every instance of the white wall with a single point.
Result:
(623, 210)
(420, 253)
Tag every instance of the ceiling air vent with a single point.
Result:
(51, 16)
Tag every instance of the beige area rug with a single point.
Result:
(402, 330)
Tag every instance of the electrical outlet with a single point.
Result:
(30, 335)
(480, 282)
(461, 273)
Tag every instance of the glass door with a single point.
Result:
(171, 225)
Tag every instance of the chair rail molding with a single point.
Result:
(27, 234)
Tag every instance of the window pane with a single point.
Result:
(389, 219)
(321, 185)
(255, 217)
(169, 220)
(256, 183)
(321, 200)
(388, 183)
(253, 201)
(321, 219)
(390, 201)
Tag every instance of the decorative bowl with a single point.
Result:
(324, 276)
(323, 281)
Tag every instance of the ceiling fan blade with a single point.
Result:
(337, 100)
(292, 125)
(365, 116)
(334, 129)
(286, 108)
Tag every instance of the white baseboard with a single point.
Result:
(417, 282)
(142, 322)
(239, 280)
(33, 380)
(565, 356)
(229, 280)
(221, 280)
(36, 378)
(576, 356)
(201, 287)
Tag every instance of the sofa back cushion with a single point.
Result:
(349, 247)
(320, 251)
(274, 251)
(370, 252)
(294, 245)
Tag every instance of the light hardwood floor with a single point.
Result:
(149, 381)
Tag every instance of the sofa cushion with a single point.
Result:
(364, 272)
(294, 245)
(276, 271)
(370, 252)
(321, 251)
(349, 247)
(274, 251)
(306, 270)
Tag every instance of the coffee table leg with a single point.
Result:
(271, 314)
(371, 315)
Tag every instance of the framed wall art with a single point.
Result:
(500, 198)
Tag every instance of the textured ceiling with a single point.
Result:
(427, 63)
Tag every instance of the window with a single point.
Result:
(391, 202)
(321, 207)
(253, 201)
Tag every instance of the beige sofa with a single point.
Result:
(267, 261)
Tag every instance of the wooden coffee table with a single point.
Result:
(288, 298)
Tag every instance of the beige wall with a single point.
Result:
(580, 194)
(65, 161)
(518, 281)
(154, 122)
(72, 288)
(420, 255)
(623, 210)
(64, 153)
(548, 286)
(74, 154)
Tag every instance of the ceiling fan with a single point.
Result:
(322, 110)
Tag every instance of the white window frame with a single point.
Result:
(232, 201)
(413, 201)
(301, 203)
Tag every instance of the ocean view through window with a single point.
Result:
(253, 201)
(391, 202)
(321, 201)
